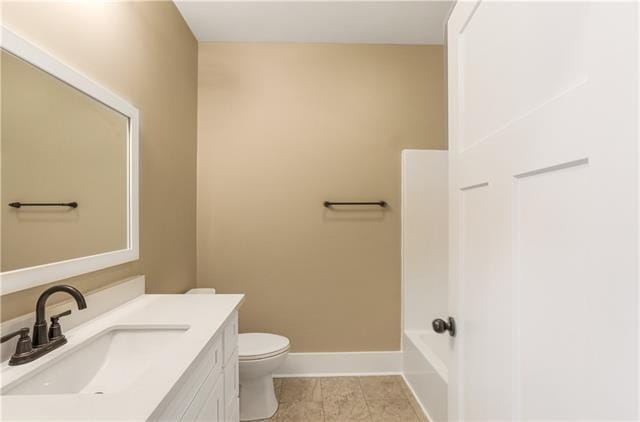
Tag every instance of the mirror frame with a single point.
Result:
(24, 278)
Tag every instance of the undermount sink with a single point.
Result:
(106, 363)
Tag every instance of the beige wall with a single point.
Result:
(52, 134)
(283, 127)
(145, 52)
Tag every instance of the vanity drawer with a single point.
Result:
(207, 365)
(230, 336)
(231, 379)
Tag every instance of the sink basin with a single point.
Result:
(106, 363)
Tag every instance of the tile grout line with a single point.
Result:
(324, 418)
(404, 394)
(322, 397)
(366, 401)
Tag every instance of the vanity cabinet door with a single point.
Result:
(232, 412)
(213, 409)
(231, 384)
(203, 372)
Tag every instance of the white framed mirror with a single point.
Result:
(69, 171)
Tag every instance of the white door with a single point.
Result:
(543, 110)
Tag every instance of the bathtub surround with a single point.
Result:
(281, 129)
(425, 369)
(151, 61)
(424, 238)
(425, 277)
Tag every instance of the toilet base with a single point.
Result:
(257, 398)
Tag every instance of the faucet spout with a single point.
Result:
(40, 334)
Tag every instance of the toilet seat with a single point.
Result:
(256, 346)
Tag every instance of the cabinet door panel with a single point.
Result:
(231, 379)
(213, 409)
(179, 400)
(232, 412)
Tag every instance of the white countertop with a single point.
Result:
(204, 314)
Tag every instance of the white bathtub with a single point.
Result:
(425, 367)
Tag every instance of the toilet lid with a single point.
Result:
(261, 345)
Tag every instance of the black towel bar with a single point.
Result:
(329, 204)
(43, 204)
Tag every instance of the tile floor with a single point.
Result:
(346, 399)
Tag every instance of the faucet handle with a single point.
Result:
(55, 330)
(23, 332)
(24, 342)
(61, 314)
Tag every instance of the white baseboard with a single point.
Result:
(341, 364)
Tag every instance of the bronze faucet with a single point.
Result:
(45, 339)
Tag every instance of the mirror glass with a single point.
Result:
(58, 146)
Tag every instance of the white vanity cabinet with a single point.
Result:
(209, 389)
(164, 357)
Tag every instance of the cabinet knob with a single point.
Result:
(440, 326)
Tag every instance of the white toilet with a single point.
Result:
(260, 355)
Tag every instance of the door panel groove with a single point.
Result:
(476, 186)
(556, 167)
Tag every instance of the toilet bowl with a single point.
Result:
(260, 354)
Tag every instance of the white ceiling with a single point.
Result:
(370, 22)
